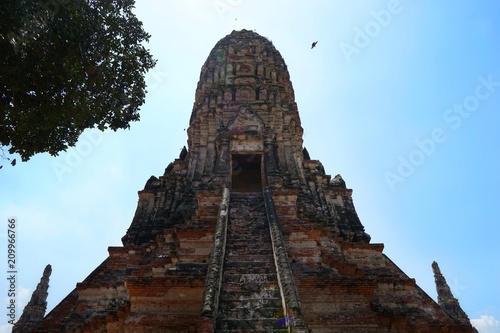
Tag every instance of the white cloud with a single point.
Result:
(6, 328)
(486, 324)
(23, 297)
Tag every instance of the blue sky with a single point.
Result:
(401, 98)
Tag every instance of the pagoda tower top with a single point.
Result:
(244, 105)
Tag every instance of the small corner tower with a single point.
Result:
(34, 311)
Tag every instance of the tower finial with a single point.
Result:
(446, 301)
(34, 311)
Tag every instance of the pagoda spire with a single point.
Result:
(34, 311)
(446, 300)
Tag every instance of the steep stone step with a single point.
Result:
(236, 248)
(253, 308)
(246, 296)
(249, 277)
(256, 289)
(255, 325)
(256, 239)
(252, 258)
(250, 299)
(273, 330)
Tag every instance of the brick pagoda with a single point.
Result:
(245, 233)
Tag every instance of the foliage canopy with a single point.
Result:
(66, 66)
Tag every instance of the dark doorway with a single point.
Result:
(246, 175)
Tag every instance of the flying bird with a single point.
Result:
(314, 44)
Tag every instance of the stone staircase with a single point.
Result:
(250, 298)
